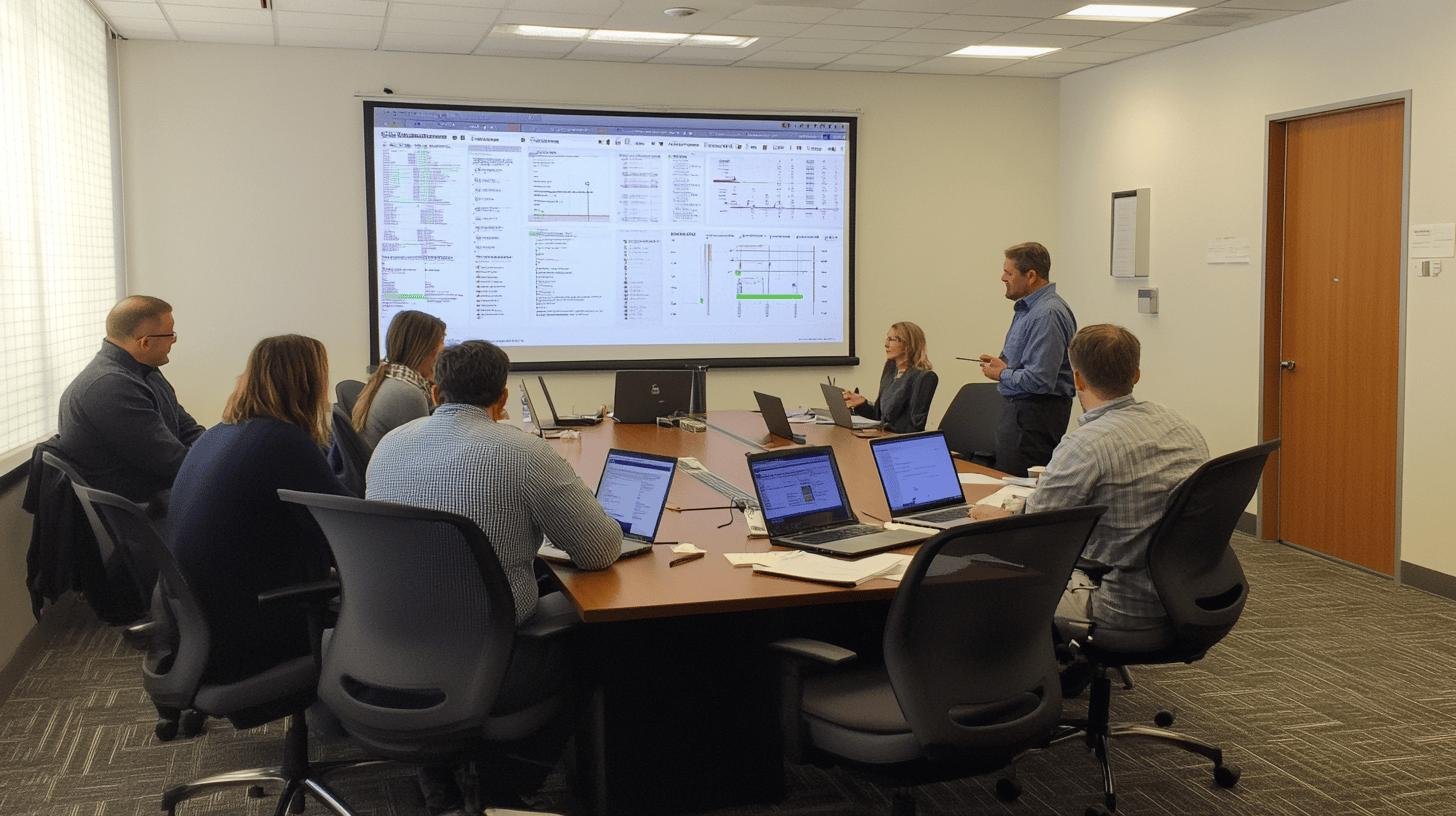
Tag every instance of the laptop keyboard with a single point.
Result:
(942, 515)
(837, 534)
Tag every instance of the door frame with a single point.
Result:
(1271, 305)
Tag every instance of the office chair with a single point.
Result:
(172, 674)
(416, 670)
(141, 573)
(354, 455)
(970, 423)
(969, 681)
(1203, 590)
(347, 393)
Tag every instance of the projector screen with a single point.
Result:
(608, 239)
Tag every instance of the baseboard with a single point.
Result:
(33, 644)
(1428, 580)
(1248, 524)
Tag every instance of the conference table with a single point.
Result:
(680, 713)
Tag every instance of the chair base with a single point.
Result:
(1098, 734)
(296, 776)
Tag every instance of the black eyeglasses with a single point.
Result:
(172, 335)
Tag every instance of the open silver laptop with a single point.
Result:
(805, 506)
(633, 490)
(920, 480)
(843, 417)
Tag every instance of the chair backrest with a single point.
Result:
(970, 422)
(347, 393)
(425, 627)
(104, 542)
(1195, 571)
(354, 453)
(178, 652)
(968, 641)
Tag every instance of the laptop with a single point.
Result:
(843, 417)
(557, 421)
(805, 506)
(920, 481)
(545, 428)
(643, 396)
(633, 490)
(776, 418)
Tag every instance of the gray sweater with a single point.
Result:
(396, 403)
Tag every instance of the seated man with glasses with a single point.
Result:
(120, 423)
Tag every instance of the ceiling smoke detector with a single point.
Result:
(680, 11)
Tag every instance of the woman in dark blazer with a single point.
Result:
(230, 533)
(907, 385)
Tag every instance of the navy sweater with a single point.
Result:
(234, 538)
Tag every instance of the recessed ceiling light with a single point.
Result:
(680, 11)
(1122, 13)
(1002, 51)
(629, 37)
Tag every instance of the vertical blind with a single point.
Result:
(59, 269)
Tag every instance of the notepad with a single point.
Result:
(979, 479)
(1009, 491)
(748, 559)
(822, 569)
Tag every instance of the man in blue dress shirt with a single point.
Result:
(1033, 372)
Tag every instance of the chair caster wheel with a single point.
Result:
(165, 729)
(1008, 790)
(255, 792)
(1227, 775)
(192, 722)
(1163, 719)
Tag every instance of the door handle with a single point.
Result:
(1287, 365)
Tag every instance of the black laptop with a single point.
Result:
(643, 396)
(633, 490)
(774, 416)
(559, 421)
(805, 506)
(920, 480)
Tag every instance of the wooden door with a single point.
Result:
(1338, 332)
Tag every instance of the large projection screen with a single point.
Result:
(609, 239)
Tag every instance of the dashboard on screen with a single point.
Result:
(595, 239)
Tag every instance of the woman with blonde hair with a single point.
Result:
(232, 536)
(907, 383)
(399, 389)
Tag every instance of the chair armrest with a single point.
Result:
(540, 628)
(817, 651)
(311, 593)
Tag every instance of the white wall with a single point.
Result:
(1190, 124)
(244, 194)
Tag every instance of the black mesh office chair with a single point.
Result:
(141, 573)
(416, 670)
(172, 674)
(354, 455)
(1203, 590)
(970, 422)
(347, 393)
(969, 681)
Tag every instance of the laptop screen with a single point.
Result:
(633, 490)
(917, 472)
(541, 423)
(799, 492)
(551, 406)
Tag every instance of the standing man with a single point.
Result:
(120, 422)
(1033, 372)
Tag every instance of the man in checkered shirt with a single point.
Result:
(463, 460)
(1127, 454)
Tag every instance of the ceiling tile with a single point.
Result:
(909, 49)
(134, 11)
(873, 62)
(405, 25)
(433, 12)
(1091, 28)
(521, 47)
(547, 18)
(839, 32)
(1050, 40)
(974, 22)
(339, 22)
(1023, 8)
(781, 58)
(1229, 18)
(374, 8)
(429, 43)
(891, 19)
(304, 37)
(212, 14)
(1168, 32)
(1281, 5)
(201, 31)
(1078, 55)
(615, 52)
(234, 4)
(567, 6)
(657, 21)
(957, 65)
(755, 28)
(785, 14)
(477, 4)
(824, 46)
(137, 28)
(1036, 68)
(935, 6)
(1125, 45)
(955, 39)
(672, 57)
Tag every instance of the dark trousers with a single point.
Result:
(1029, 431)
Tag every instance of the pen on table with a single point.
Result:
(683, 559)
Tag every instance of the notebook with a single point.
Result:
(843, 417)
(633, 490)
(920, 481)
(805, 506)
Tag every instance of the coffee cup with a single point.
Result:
(1036, 472)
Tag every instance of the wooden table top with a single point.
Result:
(646, 587)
